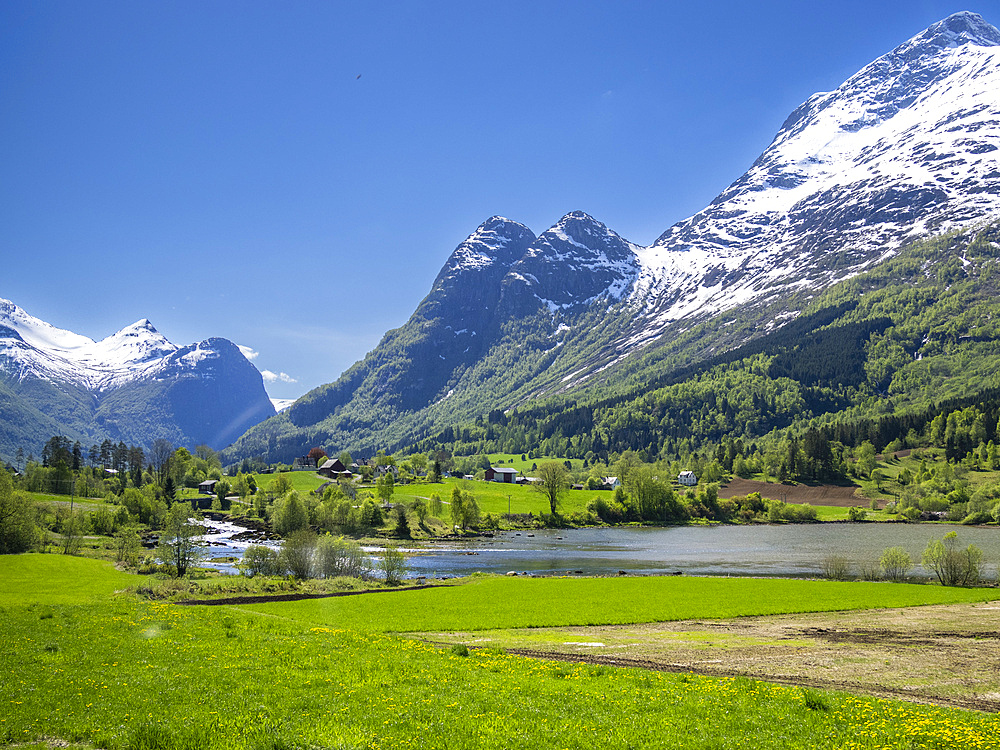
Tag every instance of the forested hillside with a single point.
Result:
(870, 359)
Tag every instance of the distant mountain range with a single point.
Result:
(134, 386)
(907, 148)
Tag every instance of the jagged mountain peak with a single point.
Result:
(900, 78)
(908, 145)
(583, 231)
(497, 242)
(582, 224)
(570, 265)
(964, 27)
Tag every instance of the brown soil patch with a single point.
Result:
(814, 494)
(944, 655)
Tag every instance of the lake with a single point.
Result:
(790, 550)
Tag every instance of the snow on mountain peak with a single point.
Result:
(29, 346)
(497, 241)
(907, 146)
(576, 262)
(957, 29)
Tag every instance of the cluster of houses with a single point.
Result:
(335, 470)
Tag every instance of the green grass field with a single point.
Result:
(111, 671)
(492, 497)
(58, 579)
(500, 602)
(513, 460)
(302, 481)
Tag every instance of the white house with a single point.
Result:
(687, 478)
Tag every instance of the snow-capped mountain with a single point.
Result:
(573, 264)
(134, 385)
(906, 148)
(30, 347)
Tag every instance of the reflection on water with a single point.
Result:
(793, 550)
(700, 550)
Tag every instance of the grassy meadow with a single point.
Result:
(492, 602)
(492, 497)
(83, 666)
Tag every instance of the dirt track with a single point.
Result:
(820, 494)
(946, 655)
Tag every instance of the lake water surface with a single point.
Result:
(790, 550)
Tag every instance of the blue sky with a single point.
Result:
(293, 175)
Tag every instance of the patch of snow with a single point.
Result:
(280, 404)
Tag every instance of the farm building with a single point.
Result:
(502, 474)
(334, 468)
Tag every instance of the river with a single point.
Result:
(788, 550)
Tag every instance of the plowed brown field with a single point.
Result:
(814, 494)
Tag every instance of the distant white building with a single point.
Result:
(687, 478)
(611, 483)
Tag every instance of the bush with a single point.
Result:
(895, 563)
(835, 567)
(953, 566)
(402, 522)
(102, 521)
(870, 570)
(337, 556)
(289, 514)
(371, 514)
(128, 545)
(977, 518)
(297, 553)
(434, 506)
(934, 503)
(854, 513)
(393, 564)
(259, 560)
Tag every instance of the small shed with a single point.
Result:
(207, 487)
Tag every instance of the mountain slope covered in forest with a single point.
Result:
(907, 148)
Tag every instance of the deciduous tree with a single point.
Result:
(553, 481)
(18, 532)
(180, 546)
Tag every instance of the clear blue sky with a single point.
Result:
(292, 175)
